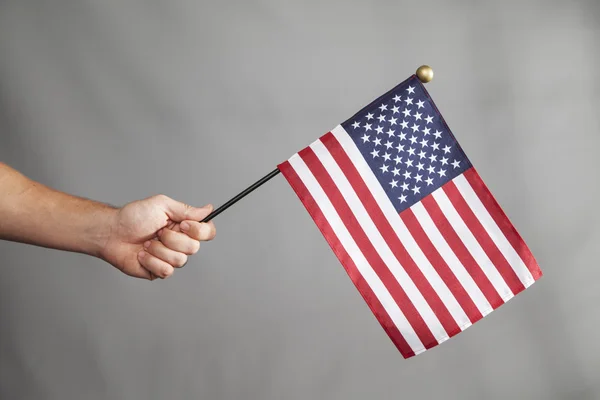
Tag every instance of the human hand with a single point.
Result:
(150, 238)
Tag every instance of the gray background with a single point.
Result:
(118, 100)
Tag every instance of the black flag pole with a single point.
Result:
(242, 194)
(424, 73)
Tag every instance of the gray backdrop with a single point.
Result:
(118, 100)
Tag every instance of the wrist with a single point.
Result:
(102, 227)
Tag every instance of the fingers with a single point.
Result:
(162, 252)
(179, 241)
(201, 231)
(178, 211)
(155, 265)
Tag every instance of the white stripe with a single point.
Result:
(400, 228)
(490, 226)
(459, 270)
(466, 236)
(357, 256)
(384, 251)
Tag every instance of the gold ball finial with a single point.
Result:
(425, 73)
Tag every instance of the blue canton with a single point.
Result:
(407, 144)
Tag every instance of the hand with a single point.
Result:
(150, 238)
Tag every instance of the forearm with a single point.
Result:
(35, 214)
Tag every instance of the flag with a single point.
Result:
(413, 224)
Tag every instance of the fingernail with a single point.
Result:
(141, 254)
(208, 206)
(147, 244)
(159, 232)
(184, 226)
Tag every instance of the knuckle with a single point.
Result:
(180, 260)
(166, 271)
(161, 197)
(194, 246)
(213, 232)
(207, 232)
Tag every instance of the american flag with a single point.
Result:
(410, 219)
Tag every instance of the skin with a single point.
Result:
(146, 239)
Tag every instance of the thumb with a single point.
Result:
(178, 211)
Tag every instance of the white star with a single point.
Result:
(442, 172)
(429, 181)
(375, 153)
(381, 118)
(410, 90)
(383, 107)
(433, 158)
(398, 160)
(420, 166)
(429, 119)
(406, 176)
(437, 134)
(416, 189)
(367, 127)
(395, 110)
(402, 198)
(408, 101)
(418, 116)
(390, 132)
(418, 178)
(393, 121)
(422, 154)
(446, 149)
(444, 161)
(406, 113)
(420, 103)
(388, 145)
(377, 142)
(456, 164)
(426, 131)
(411, 151)
(408, 163)
(435, 146)
(365, 138)
(404, 125)
(387, 156)
(413, 139)
(369, 116)
(397, 98)
(424, 143)
(356, 124)
(396, 171)
(379, 130)
(400, 147)
(405, 185)
(431, 170)
(415, 128)
(402, 136)
(384, 168)
(394, 183)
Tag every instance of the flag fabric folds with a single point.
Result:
(410, 219)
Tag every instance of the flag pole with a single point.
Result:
(424, 73)
(242, 194)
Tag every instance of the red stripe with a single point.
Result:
(367, 248)
(507, 228)
(387, 232)
(364, 289)
(461, 252)
(459, 292)
(484, 239)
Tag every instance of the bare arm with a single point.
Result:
(146, 238)
(35, 214)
